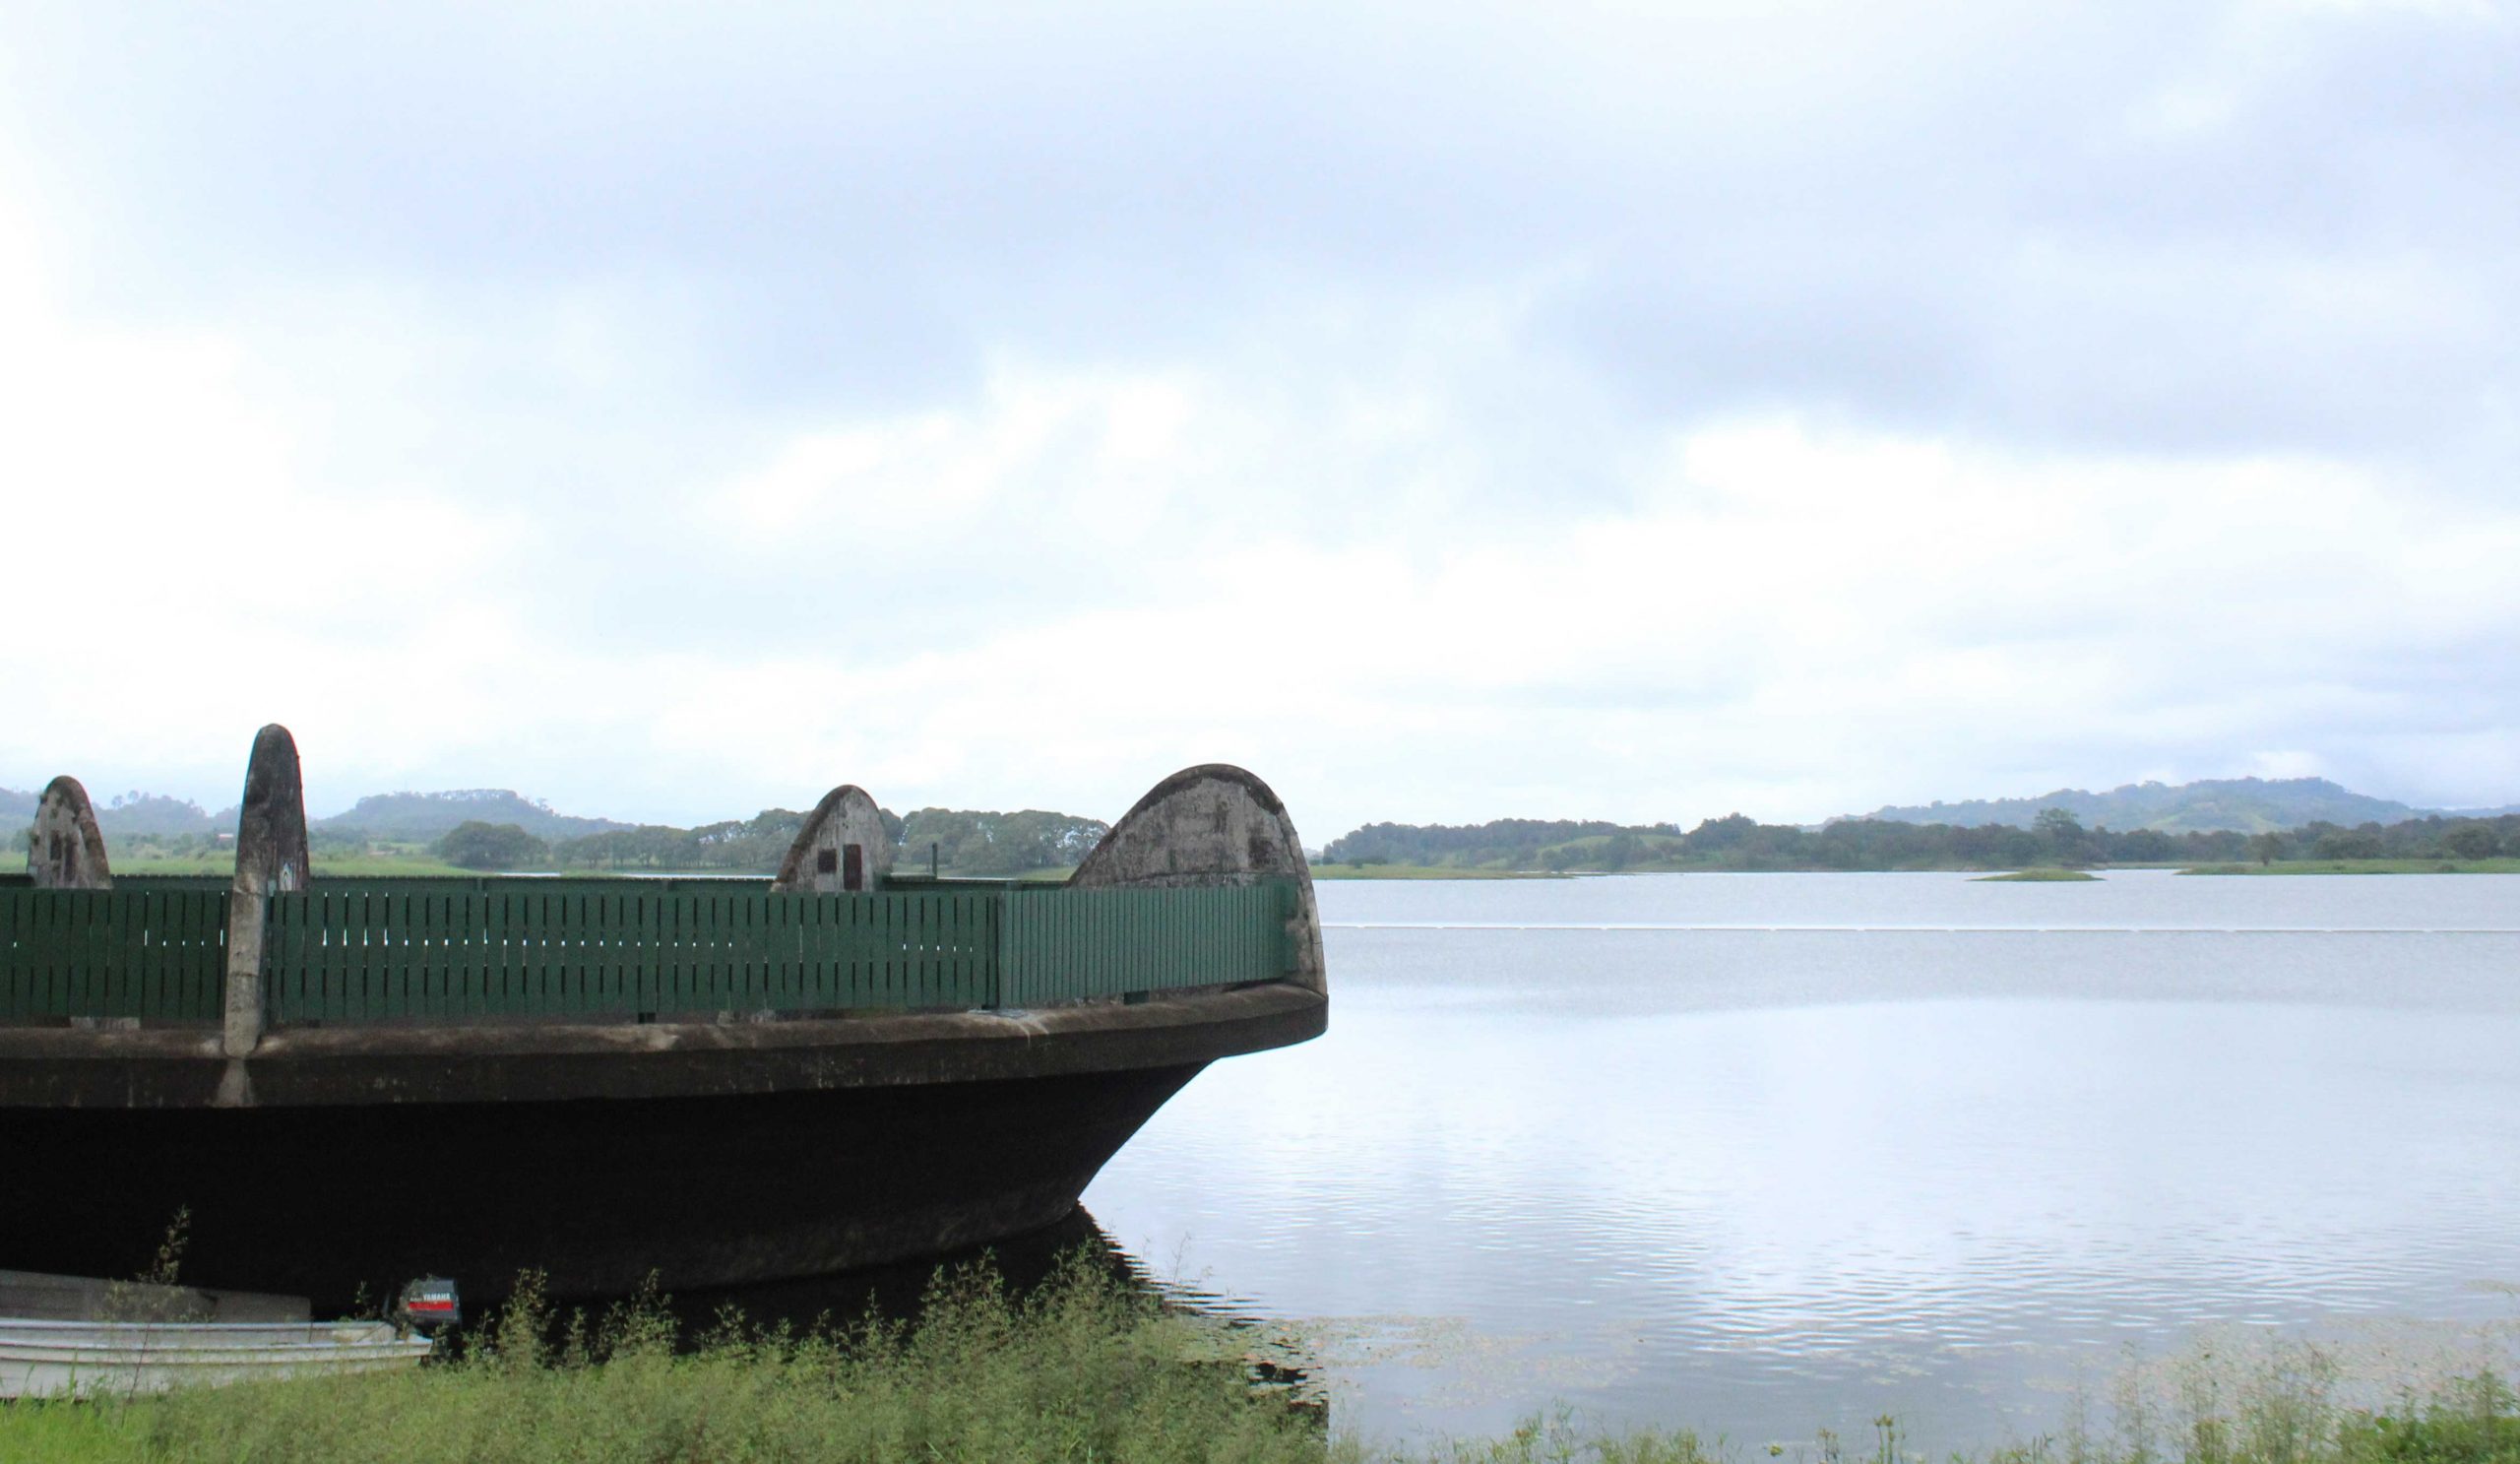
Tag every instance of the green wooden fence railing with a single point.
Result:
(1076, 945)
(357, 950)
(343, 953)
(155, 954)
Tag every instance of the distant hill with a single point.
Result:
(135, 814)
(967, 842)
(127, 815)
(2248, 805)
(963, 842)
(422, 816)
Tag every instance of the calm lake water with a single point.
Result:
(1763, 1154)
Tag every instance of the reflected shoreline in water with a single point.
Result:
(1682, 1150)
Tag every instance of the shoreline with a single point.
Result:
(1093, 1362)
(1979, 873)
(372, 868)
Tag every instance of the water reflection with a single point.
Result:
(1770, 1180)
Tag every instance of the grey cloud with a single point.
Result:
(1941, 219)
(585, 264)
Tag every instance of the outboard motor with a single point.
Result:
(428, 1306)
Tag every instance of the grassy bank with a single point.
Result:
(1082, 1368)
(2037, 876)
(2366, 866)
(1090, 1368)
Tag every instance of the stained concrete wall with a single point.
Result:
(270, 860)
(818, 861)
(1212, 824)
(68, 850)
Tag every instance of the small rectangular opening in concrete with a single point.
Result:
(826, 861)
(853, 870)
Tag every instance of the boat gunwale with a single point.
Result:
(112, 1327)
(58, 1067)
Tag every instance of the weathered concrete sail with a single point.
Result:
(67, 851)
(842, 846)
(270, 860)
(1212, 824)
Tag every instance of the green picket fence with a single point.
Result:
(354, 950)
(344, 952)
(156, 954)
(1066, 945)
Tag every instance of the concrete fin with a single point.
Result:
(270, 860)
(820, 861)
(1212, 824)
(66, 850)
(271, 820)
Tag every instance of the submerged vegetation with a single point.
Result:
(1090, 1366)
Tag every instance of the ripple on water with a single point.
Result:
(1771, 1182)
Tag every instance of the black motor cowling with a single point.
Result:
(428, 1306)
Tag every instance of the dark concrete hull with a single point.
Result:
(596, 1194)
(710, 1155)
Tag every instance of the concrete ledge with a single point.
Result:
(165, 1068)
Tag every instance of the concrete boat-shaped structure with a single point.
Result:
(346, 1083)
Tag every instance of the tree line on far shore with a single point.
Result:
(2056, 837)
(993, 844)
(967, 842)
(972, 843)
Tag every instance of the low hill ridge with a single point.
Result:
(2248, 805)
(430, 815)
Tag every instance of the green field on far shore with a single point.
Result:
(225, 865)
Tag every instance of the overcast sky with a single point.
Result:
(1447, 412)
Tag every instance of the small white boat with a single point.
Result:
(34, 1295)
(107, 1359)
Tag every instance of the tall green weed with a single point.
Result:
(1088, 1367)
